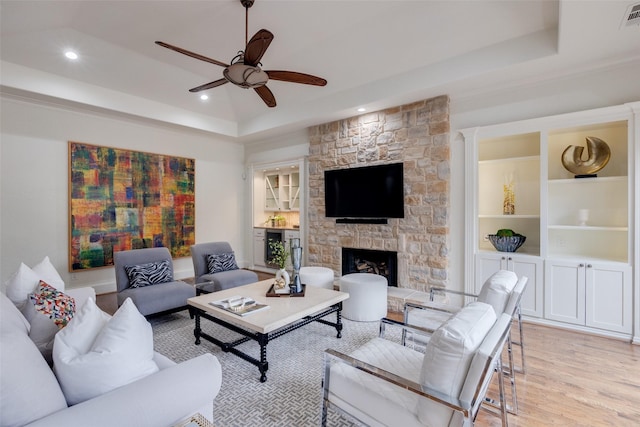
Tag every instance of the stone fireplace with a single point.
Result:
(384, 263)
(416, 134)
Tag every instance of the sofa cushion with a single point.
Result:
(47, 272)
(160, 297)
(448, 356)
(21, 284)
(12, 319)
(47, 310)
(149, 274)
(95, 354)
(221, 262)
(29, 390)
(497, 289)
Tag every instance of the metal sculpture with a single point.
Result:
(598, 152)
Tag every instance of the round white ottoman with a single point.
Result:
(367, 300)
(321, 277)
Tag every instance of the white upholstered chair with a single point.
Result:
(503, 291)
(384, 383)
(496, 291)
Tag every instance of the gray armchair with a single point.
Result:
(229, 275)
(161, 293)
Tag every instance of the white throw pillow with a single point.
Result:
(95, 354)
(48, 273)
(23, 282)
(448, 356)
(497, 289)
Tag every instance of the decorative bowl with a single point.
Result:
(506, 243)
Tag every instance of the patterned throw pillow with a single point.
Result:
(148, 274)
(221, 262)
(49, 301)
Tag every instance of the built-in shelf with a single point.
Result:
(587, 228)
(509, 160)
(578, 274)
(510, 216)
(603, 179)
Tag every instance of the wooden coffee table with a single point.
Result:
(284, 315)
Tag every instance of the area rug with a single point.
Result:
(292, 394)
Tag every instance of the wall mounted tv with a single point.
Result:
(371, 192)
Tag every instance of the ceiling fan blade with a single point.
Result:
(257, 46)
(266, 95)
(191, 54)
(211, 85)
(295, 77)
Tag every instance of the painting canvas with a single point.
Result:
(121, 199)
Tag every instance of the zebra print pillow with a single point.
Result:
(221, 262)
(147, 274)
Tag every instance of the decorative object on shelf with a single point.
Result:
(296, 258)
(598, 152)
(583, 217)
(509, 202)
(279, 258)
(506, 240)
(276, 221)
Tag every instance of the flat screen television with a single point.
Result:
(365, 192)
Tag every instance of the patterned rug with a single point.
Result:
(292, 395)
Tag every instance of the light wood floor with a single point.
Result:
(572, 379)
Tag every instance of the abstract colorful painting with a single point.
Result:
(121, 199)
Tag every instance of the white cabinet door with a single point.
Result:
(532, 299)
(258, 247)
(608, 297)
(531, 267)
(564, 291)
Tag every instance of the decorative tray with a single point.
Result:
(272, 293)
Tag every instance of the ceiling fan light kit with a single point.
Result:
(245, 70)
(245, 76)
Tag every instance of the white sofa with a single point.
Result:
(31, 395)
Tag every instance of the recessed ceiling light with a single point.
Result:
(204, 97)
(71, 55)
(361, 110)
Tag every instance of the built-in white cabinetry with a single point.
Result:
(580, 252)
(282, 192)
(523, 265)
(589, 293)
(259, 247)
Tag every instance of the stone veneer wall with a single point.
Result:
(416, 134)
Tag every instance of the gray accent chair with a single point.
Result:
(153, 299)
(223, 279)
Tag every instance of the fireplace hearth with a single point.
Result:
(384, 263)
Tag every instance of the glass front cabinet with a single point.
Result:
(580, 253)
(282, 192)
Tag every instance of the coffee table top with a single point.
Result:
(282, 311)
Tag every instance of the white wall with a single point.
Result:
(34, 190)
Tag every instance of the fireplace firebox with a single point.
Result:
(384, 263)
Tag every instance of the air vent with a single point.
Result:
(632, 16)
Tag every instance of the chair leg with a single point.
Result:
(510, 372)
(520, 342)
(503, 403)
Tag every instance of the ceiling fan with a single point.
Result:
(244, 70)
